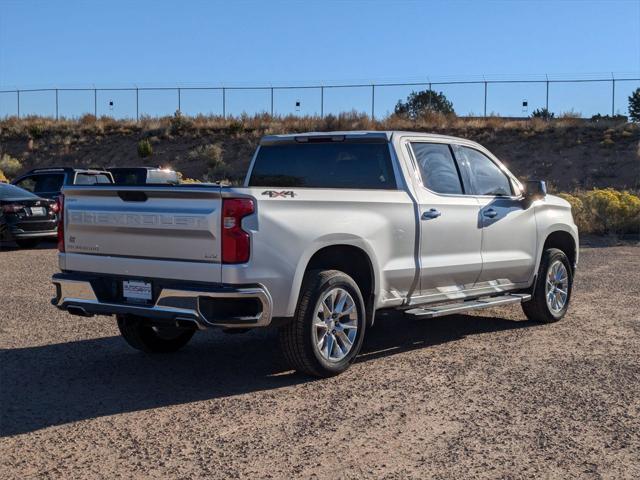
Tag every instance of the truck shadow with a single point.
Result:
(61, 383)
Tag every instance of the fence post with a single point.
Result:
(613, 95)
(179, 101)
(224, 102)
(95, 103)
(271, 102)
(137, 107)
(373, 102)
(322, 102)
(18, 94)
(485, 98)
(56, 104)
(546, 103)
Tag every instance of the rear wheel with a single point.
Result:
(552, 290)
(328, 328)
(28, 243)
(142, 335)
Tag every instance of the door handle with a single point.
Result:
(491, 213)
(431, 213)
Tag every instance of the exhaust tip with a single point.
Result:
(79, 311)
(189, 323)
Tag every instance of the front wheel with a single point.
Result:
(552, 290)
(327, 331)
(139, 333)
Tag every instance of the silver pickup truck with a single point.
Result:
(328, 229)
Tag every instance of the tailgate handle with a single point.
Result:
(132, 196)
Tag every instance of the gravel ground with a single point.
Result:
(487, 395)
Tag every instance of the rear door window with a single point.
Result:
(437, 167)
(324, 165)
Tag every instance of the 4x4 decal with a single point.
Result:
(282, 193)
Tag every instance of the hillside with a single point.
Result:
(569, 153)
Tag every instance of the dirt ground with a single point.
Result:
(486, 395)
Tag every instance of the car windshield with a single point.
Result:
(11, 191)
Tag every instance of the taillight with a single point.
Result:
(60, 205)
(235, 241)
(12, 208)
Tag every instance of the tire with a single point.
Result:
(141, 335)
(27, 243)
(325, 351)
(542, 308)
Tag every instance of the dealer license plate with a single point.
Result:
(136, 291)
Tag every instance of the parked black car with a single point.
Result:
(48, 182)
(26, 218)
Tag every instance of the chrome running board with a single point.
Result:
(449, 308)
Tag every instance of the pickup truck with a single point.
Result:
(327, 230)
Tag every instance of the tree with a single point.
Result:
(634, 105)
(425, 101)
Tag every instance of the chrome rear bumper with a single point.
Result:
(180, 305)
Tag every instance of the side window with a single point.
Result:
(486, 178)
(28, 183)
(437, 167)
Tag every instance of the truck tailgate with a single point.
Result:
(173, 224)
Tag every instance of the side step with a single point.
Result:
(440, 310)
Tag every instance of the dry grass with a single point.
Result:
(38, 127)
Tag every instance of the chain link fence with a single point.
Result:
(506, 97)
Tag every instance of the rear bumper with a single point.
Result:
(10, 233)
(202, 305)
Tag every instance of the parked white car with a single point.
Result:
(328, 229)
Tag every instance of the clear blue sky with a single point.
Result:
(120, 43)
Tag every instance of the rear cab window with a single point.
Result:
(344, 164)
(133, 176)
(91, 179)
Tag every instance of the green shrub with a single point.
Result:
(179, 123)
(9, 165)
(605, 211)
(144, 148)
(613, 211)
(543, 113)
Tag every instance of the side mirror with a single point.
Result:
(535, 189)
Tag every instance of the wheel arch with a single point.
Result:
(564, 241)
(351, 259)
